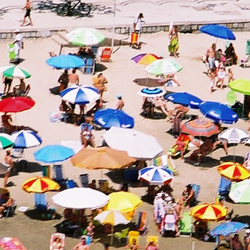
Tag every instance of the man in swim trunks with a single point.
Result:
(27, 7)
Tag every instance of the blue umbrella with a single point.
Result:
(65, 62)
(26, 139)
(185, 99)
(108, 118)
(53, 153)
(151, 92)
(218, 112)
(228, 228)
(218, 31)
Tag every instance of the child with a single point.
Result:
(212, 76)
(90, 230)
(230, 75)
(221, 76)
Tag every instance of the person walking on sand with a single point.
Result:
(27, 8)
(120, 103)
(212, 76)
(138, 23)
(8, 162)
(173, 41)
(18, 43)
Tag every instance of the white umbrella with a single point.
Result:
(240, 191)
(137, 144)
(81, 198)
(234, 135)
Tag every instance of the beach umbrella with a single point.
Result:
(145, 58)
(151, 92)
(241, 85)
(240, 191)
(218, 31)
(227, 228)
(233, 171)
(209, 212)
(5, 141)
(156, 175)
(65, 62)
(163, 67)
(40, 185)
(80, 198)
(14, 71)
(53, 153)
(112, 217)
(101, 158)
(200, 127)
(185, 99)
(234, 135)
(80, 94)
(106, 118)
(218, 112)
(85, 36)
(137, 144)
(15, 104)
(9, 243)
(123, 201)
(25, 139)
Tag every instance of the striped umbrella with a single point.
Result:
(151, 92)
(145, 58)
(14, 71)
(80, 94)
(5, 141)
(240, 191)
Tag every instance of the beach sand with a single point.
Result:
(121, 73)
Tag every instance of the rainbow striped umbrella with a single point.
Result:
(145, 58)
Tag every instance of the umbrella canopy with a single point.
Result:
(25, 139)
(240, 191)
(227, 228)
(53, 153)
(199, 127)
(137, 144)
(65, 62)
(185, 99)
(218, 31)
(145, 58)
(112, 217)
(151, 92)
(9, 243)
(80, 94)
(85, 36)
(14, 71)
(101, 158)
(218, 112)
(209, 212)
(80, 198)
(107, 118)
(163, 67)
(156, 175)
(15, 104)
(240, 85)
(234, 135)
(39, 185)
(233, 171)
(123, 201)
(5, 141)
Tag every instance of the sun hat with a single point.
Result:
(119, 96)
(16, 30)
(247, 231)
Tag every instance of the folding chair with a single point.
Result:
(122, 235)
(70, 184)
(142, 223)
(58, 173)
(196, 189)
(224, 186)
(95, 48)
(90, 66)
(186, 225)
(106, 55)
(40, 202)
(84, 179)
(46, 171)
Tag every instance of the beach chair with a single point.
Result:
(90, 66)
(46, 171)
(57, 241)
(231, 98)
(134, 40)
(175, 150)
(141, 224)
(12, 54)
(10, 211)
(58, 173)
(70, 184)
(122, 235)
(168, 224)
(224, 187)
(196, 189)
(84, 179)
(106, 55)
(94, 49)
(40, 202)
(165, 161)
(186, 225)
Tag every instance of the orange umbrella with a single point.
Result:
(39, 185)
(233, 171)
(209, 212)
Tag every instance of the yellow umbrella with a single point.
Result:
(233, 171)
(124, 202)
(39, 185)
(209, 212)
(102, 158)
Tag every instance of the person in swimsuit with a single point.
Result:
(133, 245)
(8, 202)
(27, 7)
(174, 41)
(73, 78)
(221, 74)
(8, 162)
(7, 81)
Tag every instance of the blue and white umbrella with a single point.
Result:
(218, 112)
(65, 62)
(156, 175)
(151, 92)
(185, 99)
(25, 139)
(53, 153)
(107, 118)
(80, 94)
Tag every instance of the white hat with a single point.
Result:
(247, 231)
(17, 31)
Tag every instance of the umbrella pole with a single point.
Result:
(113, 30)
(112, 233)
(193, 245)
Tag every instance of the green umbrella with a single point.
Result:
(5, 141)
(14, 71)
(240, 85)
(240, 191)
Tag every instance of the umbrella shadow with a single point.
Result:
(41, 215)
(242, 218)
(99, 67)
(236, 158)
(208, 162)
(148, 82)
(26, 166)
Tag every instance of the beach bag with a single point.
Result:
(55, 117)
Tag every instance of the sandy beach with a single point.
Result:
(121, 73)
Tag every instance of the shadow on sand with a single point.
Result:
(148, 82)
(42, 215)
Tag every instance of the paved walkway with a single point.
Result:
(155, 12)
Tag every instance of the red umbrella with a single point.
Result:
(16, 104)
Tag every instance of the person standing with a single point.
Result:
(63, 80)
(211, 53)
(73, 78)
(174, 41)
(18, 43)
(138, 23)
(100, 82)
(27, 8)
(7, 81)
(120, 103)
(236, 243)
(8, 162)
